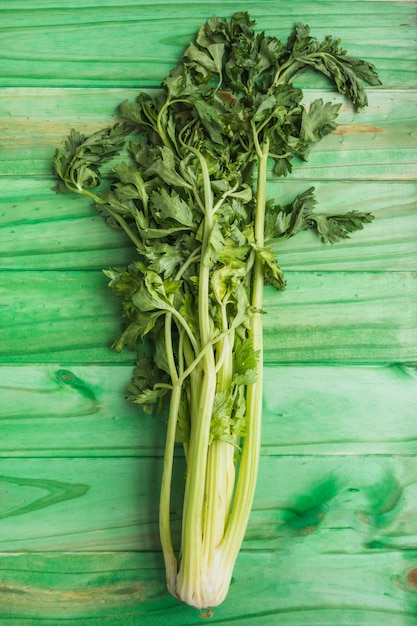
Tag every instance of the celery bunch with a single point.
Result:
(192, 198)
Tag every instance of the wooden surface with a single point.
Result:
(332, 539)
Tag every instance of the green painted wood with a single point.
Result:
(340, 316)
(377, 143)
(128, 589)
(355, 317)
(42, 230)
(72, 411)
(389, 243)
(98, 44)
(80, 504)
(332, 538)
(332, 504)
(67, 314)
(339, 409)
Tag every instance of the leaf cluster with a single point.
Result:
(287, 221)
(192, 156)
(78, 164)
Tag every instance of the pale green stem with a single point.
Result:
(220, 464)
(192, 574)
(220, 481)
(161, 130)
(169, 349)
(191, 259)
(223, 197)
(194, 388)
(193, 364)
(119, 219)
(283, 73)
(165, 493)
(183, 322)
(249, 463)
(191, 577)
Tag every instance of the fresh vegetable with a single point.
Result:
(192, 197)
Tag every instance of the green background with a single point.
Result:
(332, 539)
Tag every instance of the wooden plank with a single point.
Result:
(339, 410)
(65, 314)
(389, 243)
(129, 588)
(72, 411)
(332, 538)
(325, 316)
(80, 504)
(50, 45)
(342, 317)
(377, 143)
(45, 231)
(345, 504)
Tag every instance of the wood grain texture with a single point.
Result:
(357, 317)
(331, 543)
(332, 539)
(41, 230)
(342, 504)
(377, 143)
(348, 318)
(67, 410)
(62, 313)
(98, 44)
(129, 589)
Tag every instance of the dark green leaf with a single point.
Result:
(333, 228)
(169, 208)
(165, 168)
(316, 122)
(244, 362)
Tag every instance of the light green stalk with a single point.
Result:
(212, 534)
(249, 463)
(192, 573)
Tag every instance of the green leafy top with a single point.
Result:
(193, 149)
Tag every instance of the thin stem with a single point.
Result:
(84, 192)
(256, 140)
(119, 219)
(196, 361)
(281, 75)
(165, 493)
(192, 572)
(181, 336)
(223, 197)
(193, 257)
(249, 463)
(204, 278)
(295, 67)
(169, 349)
(161, 130)
(183, 322)
(193, 389)
(286, 155)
